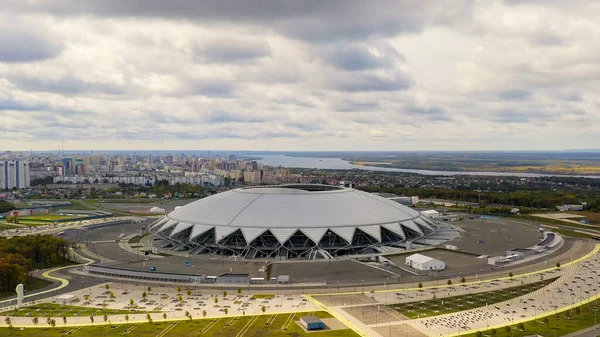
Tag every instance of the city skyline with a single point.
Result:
(289, 76)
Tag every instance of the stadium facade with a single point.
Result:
(290, 221)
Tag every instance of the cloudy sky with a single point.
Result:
(300, 75)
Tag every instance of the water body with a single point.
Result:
(339, 164)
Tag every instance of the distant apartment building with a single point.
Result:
(14, 174)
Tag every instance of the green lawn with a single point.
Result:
(254, 326)
(465, 302)
(33, 284)
(59, 310)
(46, 217)
(268, 296)
(80, 205)
(571, 233)
(559, 326)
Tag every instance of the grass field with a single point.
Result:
(465, 302)
(571, 233)
(59, 310)
(33, 284)
(559, 222)
(80, 205)
(247, 326)
(556, 325)
(45, 217)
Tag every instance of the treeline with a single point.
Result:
(530, 199)
(20, 255)
(6, 206)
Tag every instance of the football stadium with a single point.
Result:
(290, 221)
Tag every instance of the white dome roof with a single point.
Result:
(285, 209)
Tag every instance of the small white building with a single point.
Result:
(422, 262)
(432, 214)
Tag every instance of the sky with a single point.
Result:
(299, 75)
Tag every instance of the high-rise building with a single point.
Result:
(14, 174)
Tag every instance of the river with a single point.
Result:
(339, 164)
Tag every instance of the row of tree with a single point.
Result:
(532, 199)
(6, 206)
(20, 255)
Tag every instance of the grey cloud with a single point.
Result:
(355, 58)
(374, 82)
(515, 94)
(307, 20)
(351, 106)
(221, 116)
(67, 84)
(22, 46)
(231, 50)
(10, 105)
(305, 126)
(434, 113)
(210, 88)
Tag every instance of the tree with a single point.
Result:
(179, 289)
(216, 300)
(189, 292)
(204, 313)
(149, 288)
(35, 321)
(420, 285)
(263, 309)
(52, 322)
(478, 334)
(226, 311)
(506, 329)
(144, 294)
(65, 320)
(131, 301)
(557, 264)
(510, 274)
(105, 318)
(149, 318)
(449, 282)
(8, 322)
(225, 294)
(179, 298)
(127, 318)
(521, 327)
(48, 319)
(107, 286)
(239, 291)
(462, 280)
(545, 320)
(112, 295)
(165, 316)
(92, 319)
(577, 311)
(86, 297)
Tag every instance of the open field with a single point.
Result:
(59, 310)
(283, 325)
(465, 302)
(562, 324)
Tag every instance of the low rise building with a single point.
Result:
(422, 262)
